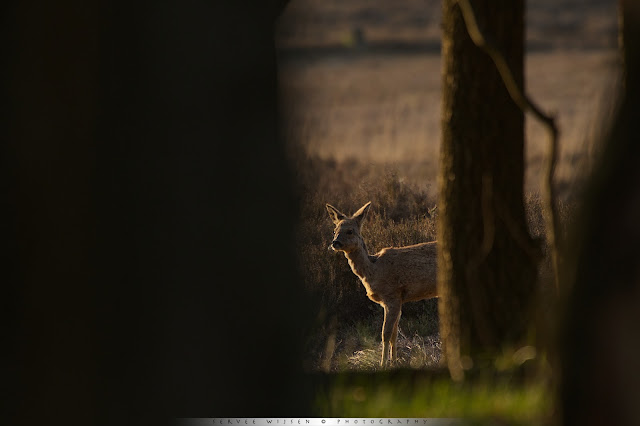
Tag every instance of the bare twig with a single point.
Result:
(488, 239)
(527, 106)
(489, 233)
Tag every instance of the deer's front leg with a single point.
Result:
(394, 337)
(391, 317)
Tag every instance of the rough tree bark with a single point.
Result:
(487, 259)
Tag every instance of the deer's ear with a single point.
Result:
(335, 214)
(361, 213)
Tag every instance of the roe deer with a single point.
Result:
(391, 277)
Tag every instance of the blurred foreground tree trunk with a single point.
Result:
(145, 177)
(600, 338)
(487, 260)
(627, 42)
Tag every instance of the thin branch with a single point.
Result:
(527, 106)
(488, 239)
(488, 218)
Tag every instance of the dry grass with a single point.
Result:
(384, 111)
(413, 352)
(347, 333)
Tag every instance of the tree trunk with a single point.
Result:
(144, 175)
(487, 263)
(628, 12)
(599, 340)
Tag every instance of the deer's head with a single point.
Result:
(347, 233)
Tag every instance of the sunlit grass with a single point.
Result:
(359, 345)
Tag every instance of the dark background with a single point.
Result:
(150, 267)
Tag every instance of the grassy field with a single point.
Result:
(367, 129)
(384, 110)
(501, 400)
(562, 24)
(365, 126)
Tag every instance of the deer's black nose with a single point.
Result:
(336, 244)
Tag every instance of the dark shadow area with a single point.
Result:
(600, 344)
(150, 267)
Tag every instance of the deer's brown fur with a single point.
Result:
(391, 277)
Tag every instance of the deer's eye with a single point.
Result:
(349, 232)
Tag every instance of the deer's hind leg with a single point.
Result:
(390, 331)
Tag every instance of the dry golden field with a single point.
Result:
(384, 110)
(377, 100)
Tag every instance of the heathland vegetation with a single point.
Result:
(347, 333)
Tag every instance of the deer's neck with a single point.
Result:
(361, 263)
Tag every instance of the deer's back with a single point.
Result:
(408, 271)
